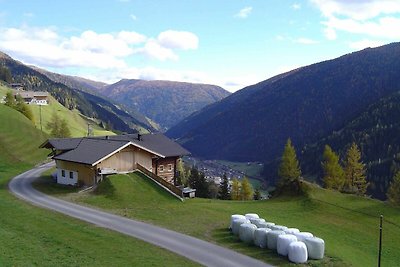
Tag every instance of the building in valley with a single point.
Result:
(87, 160)
(33, 97)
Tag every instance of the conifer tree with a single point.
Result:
(198, 181)
(58, 127)
(355, 171)
(23, 108)
(333, 172)
(224, 188)
(246, 190)
(289, 169)
(235, 190)
(393, 193)
(257, 194)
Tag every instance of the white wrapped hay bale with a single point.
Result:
(284, 242)
(292, 231)
(278, 227)
(262, 224)
(269, 224)
(315, 247)
(236, 225)
(234, 217)
(297, 252)
(260, 237)
(272, 238)
(256, 220)
(246, 232)
(301, 236)
(251, 216)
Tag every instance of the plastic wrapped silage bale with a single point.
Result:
(260, 237)
(278, 227)
(234, 217)
(256, 220)
(272, 238)
(236, 225)
(297, 252)
(246, 232)
(251, 216)
(269, 224)
(261, 224)
(301, 236)
(292, 231)
(284, 242)
(315, 247)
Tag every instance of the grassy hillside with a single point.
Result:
(348, 224)
(35, 237)
(77, 123)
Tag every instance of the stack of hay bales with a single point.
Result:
(298, 246)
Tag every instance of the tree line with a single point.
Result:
(347, 175)
(238, 190)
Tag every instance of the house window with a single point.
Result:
(62, 173)
(161, 168)
(170, 167)
(71, 175)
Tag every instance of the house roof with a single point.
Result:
(31, 94)
(91, 150)
(61, 143)
(157, 143)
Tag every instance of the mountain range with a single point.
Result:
(126, 106)
(165, 102)
(313, 105)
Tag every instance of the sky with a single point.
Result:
(230, 43)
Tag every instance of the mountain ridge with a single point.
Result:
(165, 102)
(303, 104)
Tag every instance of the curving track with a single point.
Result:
(192, 248)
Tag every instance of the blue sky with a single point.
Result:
(230, 43)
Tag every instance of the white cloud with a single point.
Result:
(296, 6)
(178, 40)
(244, 12)
(376, 19)
(154, 50)
(133, 17)
(357, 9)
(358, 45)
(385, 27)
(330, 33)
(305, 41)
(131, 37)
(46, 48)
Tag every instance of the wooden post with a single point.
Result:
(380, 241)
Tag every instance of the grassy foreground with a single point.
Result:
(348, 224)
(32, 236)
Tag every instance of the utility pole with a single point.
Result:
(40, 115)
(380, 241)
(89, 129)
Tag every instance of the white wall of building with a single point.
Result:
(67, 177)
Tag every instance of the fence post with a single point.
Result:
(380, 241)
